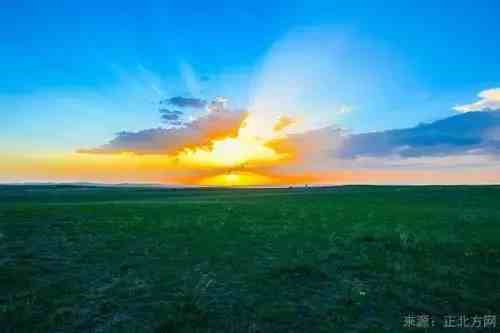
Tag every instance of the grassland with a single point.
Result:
(341, 259)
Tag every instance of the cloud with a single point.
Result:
(344, 109)
(489, 100)
(283, 122)
(469, 133)
(185, 102)
(218, 104)
(197, 133)
(461, 149)
(259, 147)
(171, 117)
(310, 144)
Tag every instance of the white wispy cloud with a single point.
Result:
(489, 100)
(344, 108)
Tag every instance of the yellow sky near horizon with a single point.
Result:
(130, 168)
(260, 152)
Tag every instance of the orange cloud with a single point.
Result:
(230, 148)
(283, 122)
(201, 132)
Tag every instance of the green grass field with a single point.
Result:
(340, 259)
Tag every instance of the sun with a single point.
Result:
(230, 152)
(250, 145)
(234, 161)
(232, 178)
(237, 178)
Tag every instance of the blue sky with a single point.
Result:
(74, 74)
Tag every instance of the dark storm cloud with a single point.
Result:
(475, 132)
(185, 102)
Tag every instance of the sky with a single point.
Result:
(256, 93)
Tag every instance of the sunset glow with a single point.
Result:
(230, 152)
(248, 149)
(236, 179)
(310, 105)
